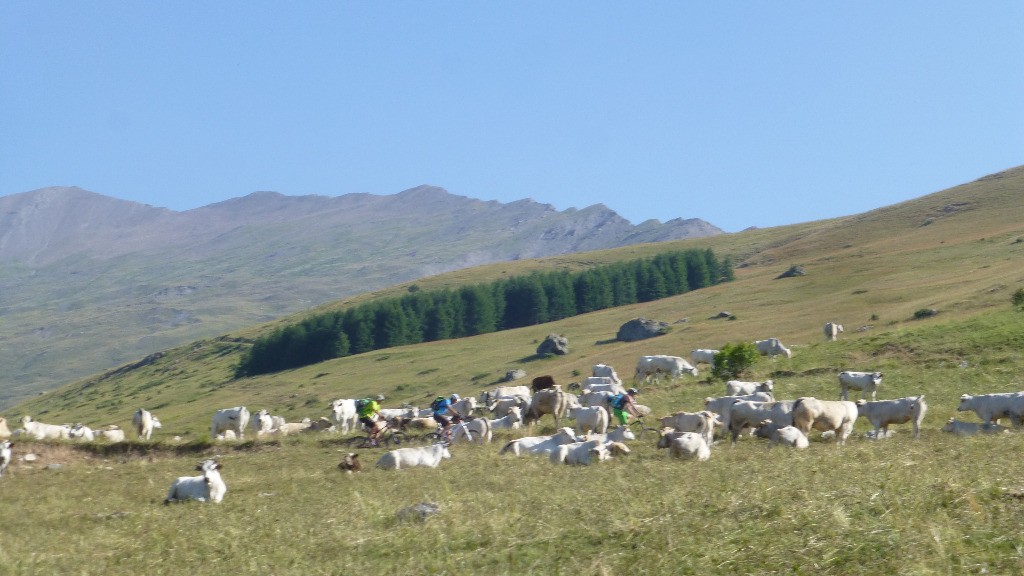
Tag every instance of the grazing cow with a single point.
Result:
(606, 371)
(866, 382)
(144, 423)
(5, 455)
(511, 421)
(992, 407)
(685, 445)
(900, 411)
(81, 432)
(832, 330)
(971, 428)
(551, 401)
(428, 456)
(786, 435)
(723, 405)
(580, 453)
(234, 419)
(674, 366)
(474, 430)
(42, 431)
(837, 416)
(5, 432)
(539, 444)
(343, 412)
(590, 419)
(263, 423)
(746, 414)
(772, 347)
(209, 487)
(741, 388)
(488, 398)
(702, 423)
(350, 463)
(542, 383)
(703, 356)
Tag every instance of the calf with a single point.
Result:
(81, 432)
(740, 388)
(971, 428)
(745, 414)
(539, 444)
(428, 456)
(511, 421)
(209, 487)
(111, 433)
(723, 405)
(786, 435)
(580, 453)
(5, 455)
(702, 423)
(837, 416)
(866, 382)
(144, 423)
(590, 419)
(616, 435)
(350, 463)
(900, 411)
(685, 445)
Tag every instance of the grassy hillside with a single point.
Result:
(937, 505)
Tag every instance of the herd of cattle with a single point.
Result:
(746, 408)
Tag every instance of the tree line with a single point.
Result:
(537, 298)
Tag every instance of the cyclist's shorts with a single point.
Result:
(368, 422)
(442, 420)
(621, 415)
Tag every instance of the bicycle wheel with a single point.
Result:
(396, 438)
(357, 442)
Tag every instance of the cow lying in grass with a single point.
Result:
(429, 456)
(209, 487)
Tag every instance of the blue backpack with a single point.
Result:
(618, 401)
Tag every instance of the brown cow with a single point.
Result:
(543, 383)
(549, 401)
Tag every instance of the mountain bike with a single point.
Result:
(388, 436)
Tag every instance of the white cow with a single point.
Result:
(605, 370)
(992, 407)
(971, 428)
(209, 487)
(685, 445)
(428, 456)
(234, 419)
(618, 434)
(539, 444)
(741, 388)
(502, 406)
(580, 453)
(746, 414)
(723, 405)
(703, 356)
(591, 398)
(899, 411)
(837, 416)
(786, 435)
(513, 420)
(702, 423)
(772, 347)
(81, 432)
(144, 423)
(866, 382)
(5, 455)
(263, 423)
(602, 384)
(488, 398)
(5, 432)
(111, 433)
(343, 412)
(832, 330)
(475, 430)
(590, 419)
(42, 431)
(674, 366)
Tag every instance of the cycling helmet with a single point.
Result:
(380, 398)
(455, 398)
(632, 391)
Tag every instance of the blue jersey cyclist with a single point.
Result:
(442, 407)
(623, 405)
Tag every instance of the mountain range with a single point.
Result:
(88, 282)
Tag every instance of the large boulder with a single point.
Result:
(641, 329)
(554, 344)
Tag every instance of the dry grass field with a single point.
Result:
(934, 505)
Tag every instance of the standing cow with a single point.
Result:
(832, 331)
(674, 366)
(233, 419)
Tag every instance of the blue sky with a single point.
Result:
(739, 113)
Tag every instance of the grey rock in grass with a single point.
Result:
(554, 344)
(641, 329)
(419, 512)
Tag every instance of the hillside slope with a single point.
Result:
(89, 282)
(959, 251)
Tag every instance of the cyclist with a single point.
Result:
(441, 407)
(369, 414)
(624, 405)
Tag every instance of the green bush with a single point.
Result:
(733, 360)
(1018, 298)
